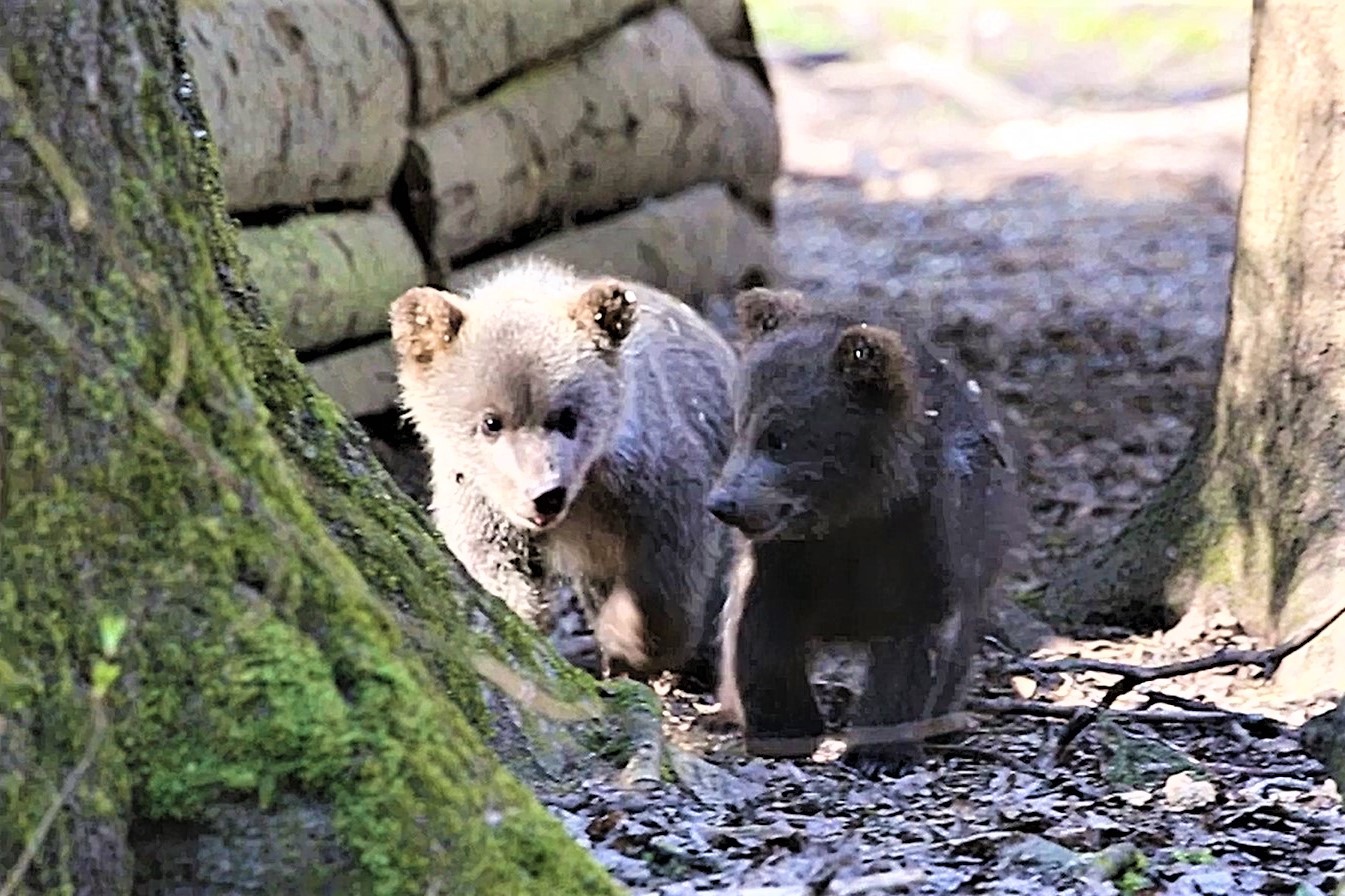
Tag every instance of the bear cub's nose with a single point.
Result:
(723, 506)
(550, 503)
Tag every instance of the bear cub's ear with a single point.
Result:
(875, 364)
(424, 320)
(762, 310)
(607, 311)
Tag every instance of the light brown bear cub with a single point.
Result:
(590, 415)
(869, 479)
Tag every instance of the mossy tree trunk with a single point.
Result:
(233, 657)
(1252, 518)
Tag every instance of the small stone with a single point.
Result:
(1184, 793)
(1136, 798)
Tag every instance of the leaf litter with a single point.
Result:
(1082, 281)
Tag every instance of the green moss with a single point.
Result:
(293, 626)
(270, 716)
(1134, 882)
(1032, 598)
(630, 698)
(1199, 856)
(633, 715)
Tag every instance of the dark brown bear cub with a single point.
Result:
(866, 474)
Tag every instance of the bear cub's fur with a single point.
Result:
(877, 497)
(588, 415)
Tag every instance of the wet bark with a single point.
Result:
(1252, 518)
(233, 657)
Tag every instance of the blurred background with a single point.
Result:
(1106, 53)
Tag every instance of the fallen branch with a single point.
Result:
(999, 757)
(1008, 707)
(1299, 771)
(1130, 677)
(868, 883)
(984, 754)
(1268, 660)
(909, 732)
(1255, 723)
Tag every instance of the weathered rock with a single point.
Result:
(648, 111)
(697, 243)
(307, 101)
(326, 278)
(460, 47)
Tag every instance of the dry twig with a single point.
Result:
(984, 754)
(1130, 677)
(1007, 707)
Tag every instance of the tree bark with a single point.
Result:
(310, 101)
(461, 48)
(233, 657)
(1252, 518)
(648, 111)
(326, 278)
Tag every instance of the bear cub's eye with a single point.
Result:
(566, 422)
(491, 424)
(773, 439)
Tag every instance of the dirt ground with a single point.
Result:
(1076, 261)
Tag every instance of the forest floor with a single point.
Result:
(1075, 258)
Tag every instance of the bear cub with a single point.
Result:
(876, 495)
(587, 416)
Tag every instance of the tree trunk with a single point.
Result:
(1252, 518)
(326, 278)
(312, 100)
(461, 48)
(233, 657)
